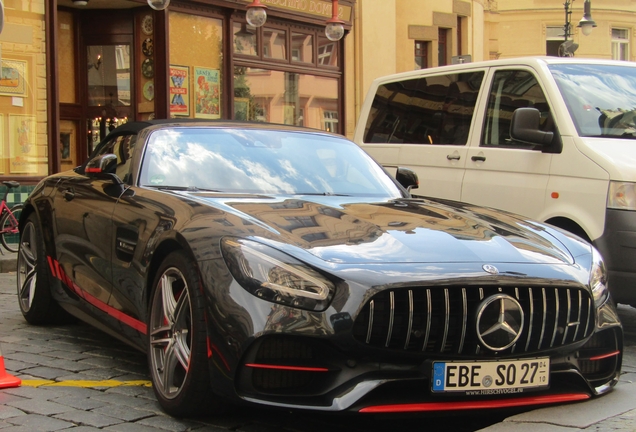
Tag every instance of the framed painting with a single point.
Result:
(207, 93)
(22, 144)
(13, 78)
(179, 90)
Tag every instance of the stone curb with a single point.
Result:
(8, 262)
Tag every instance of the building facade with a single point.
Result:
(74, 69)
(536, 27)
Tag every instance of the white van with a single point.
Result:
(571, 159)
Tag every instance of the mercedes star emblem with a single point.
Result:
(490, 269)
(499, 322)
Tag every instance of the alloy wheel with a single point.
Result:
(27, 266)
(170, 333)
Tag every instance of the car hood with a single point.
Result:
(337, 230)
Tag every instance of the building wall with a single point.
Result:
(522, 26)
(383, 38)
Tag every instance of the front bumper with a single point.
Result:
(318, 377)
(340, 372)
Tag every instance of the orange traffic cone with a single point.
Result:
(6, 380)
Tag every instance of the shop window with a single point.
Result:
(284, 97)
(108, 71)
(196, 56)
(244, 39)
(326, 53)
(66, 57)
(274, 44)
(330, 121)
(620, 44)
(302, 47)
(24, 149)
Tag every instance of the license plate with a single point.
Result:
(491, 377)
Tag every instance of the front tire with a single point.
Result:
(34, 286)
(177, 351)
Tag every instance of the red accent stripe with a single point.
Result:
(289, 368)
(117, 314)
(126, 319)
(604, 356)
(468, 405)
(225, 363)
(93, 170)
(57, 273)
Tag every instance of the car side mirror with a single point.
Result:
(103, 167)
(407, 178)
(524, 127)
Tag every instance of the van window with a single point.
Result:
(600, 98)
(424, 110)
(512, 89)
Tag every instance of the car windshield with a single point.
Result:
(601, 98)
(261, 162)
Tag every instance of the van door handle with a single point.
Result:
(454, 156)
(479, 158)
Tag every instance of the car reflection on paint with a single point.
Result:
(281, 266)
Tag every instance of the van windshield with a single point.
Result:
(601, 98)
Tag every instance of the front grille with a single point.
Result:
(442, 319)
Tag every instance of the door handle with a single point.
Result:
(478, 158)
(68, 194)
(453, 156)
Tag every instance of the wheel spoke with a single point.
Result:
(26, 251)
(182, 350)
(27, 289)
(169, 302)
(170, 363)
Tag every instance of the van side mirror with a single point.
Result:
(407, 178)
(524, 127)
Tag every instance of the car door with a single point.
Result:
(84, 206)
(500, 172)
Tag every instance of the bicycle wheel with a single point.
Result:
(10, 237)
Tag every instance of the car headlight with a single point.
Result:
(598, 279)
(277, 277)
(622, 196)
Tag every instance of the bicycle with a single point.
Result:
(9, 218)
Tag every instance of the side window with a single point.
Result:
(427, 110)
(512, 89)
(124, 150)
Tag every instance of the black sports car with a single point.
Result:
(282, 266)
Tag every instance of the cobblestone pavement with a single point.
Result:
(105, 386)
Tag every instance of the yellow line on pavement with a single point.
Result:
(85, 383)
